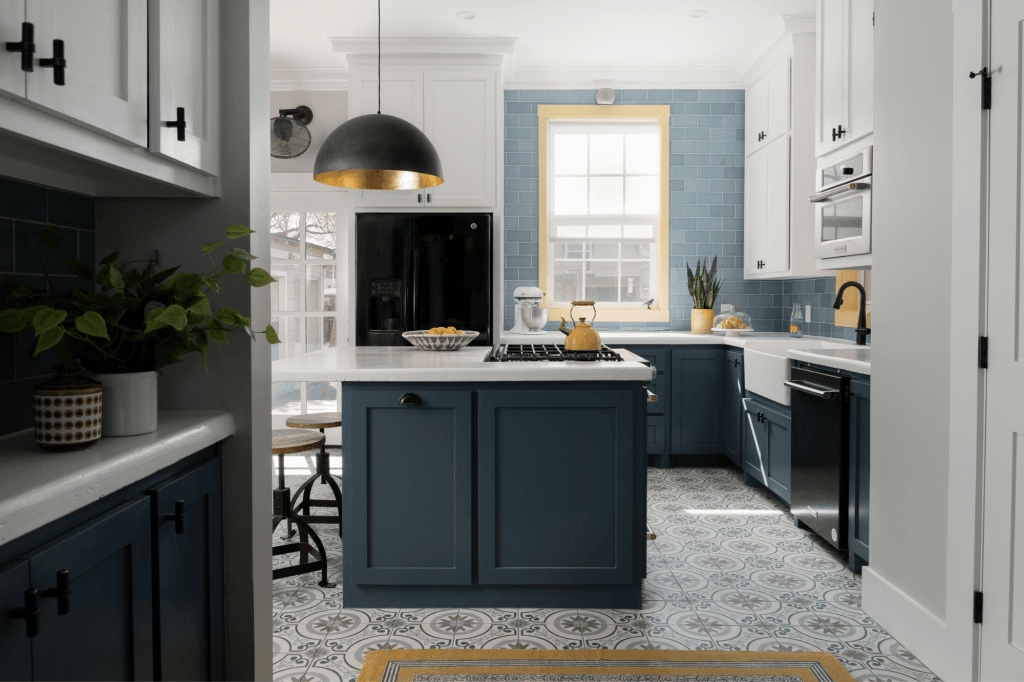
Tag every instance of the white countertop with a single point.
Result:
(37, 486)
(853, 359)
(406, 363)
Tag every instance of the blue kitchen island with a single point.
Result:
(474, 484)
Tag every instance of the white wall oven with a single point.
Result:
(842, 216)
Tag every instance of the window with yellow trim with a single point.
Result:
(604, 209)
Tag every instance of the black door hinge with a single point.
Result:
(982, 352)
(872, 18)
(979, 605)
(986, 87)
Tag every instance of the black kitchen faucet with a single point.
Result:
(862, 322)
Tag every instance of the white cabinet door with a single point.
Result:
(183, 63)
(755, 118)
(105, 77)
(401, 94)
(776, 211)
(860, 60)
(460, 118)
(12, 78)
(755, 213)
(831, 75)
(777, 100)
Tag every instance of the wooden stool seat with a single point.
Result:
(289, 441)
(314, 420)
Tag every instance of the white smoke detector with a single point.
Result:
(605, 96)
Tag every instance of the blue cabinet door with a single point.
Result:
(408, 485)
(778, 430)
(860, 468)
(755, 443)
(696, 409)
(657, 435)
(732, 406)
(556, 474)
(107, 633)
(189, 632)
(15, 645)
(659, 386)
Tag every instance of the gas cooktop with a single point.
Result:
(518, 352)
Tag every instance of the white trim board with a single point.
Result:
(648, 77)
(307, 78)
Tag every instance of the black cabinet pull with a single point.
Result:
(428, 197)
(27, 48)
(840, 131)
(735, 362)
(62, 593)
(57, 63)
(419, 198)
(178, 517)
(178, 123)
(408, 399)
(30, 613)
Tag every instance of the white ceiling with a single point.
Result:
(552, 35)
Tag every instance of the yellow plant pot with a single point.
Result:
(701, 320)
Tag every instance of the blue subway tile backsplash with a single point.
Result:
(707, 160)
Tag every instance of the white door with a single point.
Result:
(183, 68)
(12, 78)
(460, 118)
(755, 120)
(778, 100)
(105, 77)
(776, 230)
(830, 75)
(755, 213)
(1002, 632)
(860, 60)
(401, 95)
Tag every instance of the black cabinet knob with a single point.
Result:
(178, 517)
(62, 593)
(30, 612)
(178, 123)
(26, 46)
(409, 399)
(735, 362)
(57, 63)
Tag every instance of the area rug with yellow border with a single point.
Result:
(455, 665)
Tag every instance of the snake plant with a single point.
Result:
(703, 285)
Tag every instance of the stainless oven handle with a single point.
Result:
(800, 386)
(822, 196)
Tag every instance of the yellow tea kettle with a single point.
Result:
(583, 335)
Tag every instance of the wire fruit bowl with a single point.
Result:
(424, 340)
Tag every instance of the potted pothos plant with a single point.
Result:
(125, 322)
(704, 288)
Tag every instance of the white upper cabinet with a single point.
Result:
(767, 226)
(104, 75)
(12, 78)
(845, 60)
(457, 109)
(769, 106)
(183, 49)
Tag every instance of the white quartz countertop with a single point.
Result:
(406, 363)
(37, 486)
(853, 359)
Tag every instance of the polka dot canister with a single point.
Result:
(68, 410)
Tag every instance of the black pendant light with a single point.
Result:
(377, 151)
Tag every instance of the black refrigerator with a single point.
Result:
(417, 271)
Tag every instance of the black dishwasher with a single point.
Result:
(821, 452)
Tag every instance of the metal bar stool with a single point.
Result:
(286, 442)
(318, 420)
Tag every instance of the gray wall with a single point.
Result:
(330, 110)
(239, 373)
(24, 210)
(912, 258)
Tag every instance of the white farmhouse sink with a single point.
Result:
(765, 371)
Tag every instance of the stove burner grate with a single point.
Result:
(552, 352)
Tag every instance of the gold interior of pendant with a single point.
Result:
(364, 178)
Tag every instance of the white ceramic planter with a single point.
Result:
(129, 403)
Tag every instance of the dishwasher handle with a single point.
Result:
(801, 386)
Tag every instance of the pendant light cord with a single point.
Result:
(378, 56)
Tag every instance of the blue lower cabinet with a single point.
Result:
(732, 406)
(189, 631)
(15, 645)
(860, 471)
(657, 435)
(102, 629)
(557, 514)
(697, 397)
(408, 486)
(767, 445)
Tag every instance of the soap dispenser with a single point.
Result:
(796, 321)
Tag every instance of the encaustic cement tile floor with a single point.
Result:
(729, 571)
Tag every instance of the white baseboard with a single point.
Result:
(915, 627)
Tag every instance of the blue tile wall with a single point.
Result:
(706, 167)
(24, 209)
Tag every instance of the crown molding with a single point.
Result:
(622, 77)
(344, 46)
(308, 78)
(786, 25)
